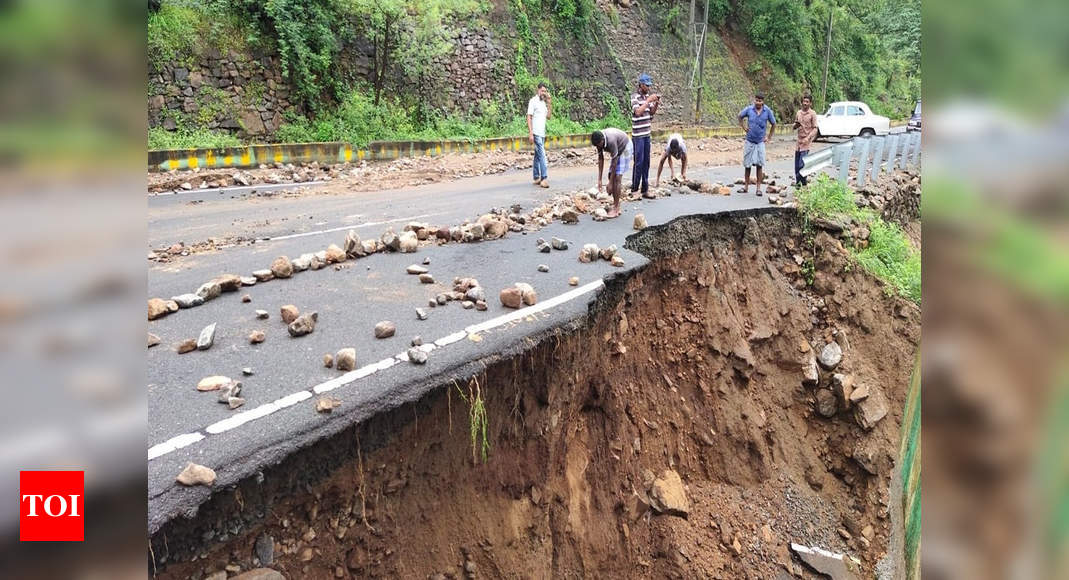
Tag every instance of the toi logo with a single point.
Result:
(51, 506)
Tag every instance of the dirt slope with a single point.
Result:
(692, 367)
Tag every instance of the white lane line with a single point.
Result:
(541, 306)
(259, 187)
(261, 411)
(351, 227)
(173, 444)
(451, 338)
(348, 378)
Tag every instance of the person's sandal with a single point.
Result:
(543, 183)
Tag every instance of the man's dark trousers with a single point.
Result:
(798, 165)
(640, 175)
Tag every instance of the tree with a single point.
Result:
(379, 20)
(307, 37)
(410, 33)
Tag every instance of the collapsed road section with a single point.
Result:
(694, 414)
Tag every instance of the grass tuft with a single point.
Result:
(478, 420)
(889, 255)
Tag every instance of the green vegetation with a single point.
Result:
(875, 50)
(889, 255)
(182, 29)
(159, 138)
(171, 31)
(359, 121)
(306, 33)
(875, 58)
(479, 424)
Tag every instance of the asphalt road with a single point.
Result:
(279, 414)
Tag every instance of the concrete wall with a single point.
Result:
(241, 94)
(254, 155)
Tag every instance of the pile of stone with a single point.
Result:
(275, 173)
(466, 290)
(708, 188)
(591, 253)
(228, 390)
(836, 391)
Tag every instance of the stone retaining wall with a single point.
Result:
(240, 94)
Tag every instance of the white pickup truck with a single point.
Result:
(851, 118)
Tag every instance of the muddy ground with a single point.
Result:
(409, 172)
(692, 367)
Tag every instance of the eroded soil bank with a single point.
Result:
(694, 366)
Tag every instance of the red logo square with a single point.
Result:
(51, 506)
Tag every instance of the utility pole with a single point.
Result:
(699, 39)
(827, 58)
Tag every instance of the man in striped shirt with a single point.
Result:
(643, 107)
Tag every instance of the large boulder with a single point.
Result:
(282, 267)
(228, 282)
(353, 248)
(334, 254)
(209, 290)
(408, 242)
(345, 359)
(667, 495)
(390, 240)
(527, 293)
(872, 409)
(305, 324)
(831, 355)
(512, 297)
(157, 308)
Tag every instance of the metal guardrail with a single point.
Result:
(873, 154)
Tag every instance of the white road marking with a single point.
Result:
(539, 307)
(351, 227)
(261, 411)
(451, 338)
(348, 378)
(173, 444)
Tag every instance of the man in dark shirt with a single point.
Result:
(620, 149)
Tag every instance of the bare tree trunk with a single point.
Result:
(381, 60)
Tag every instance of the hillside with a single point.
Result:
(223, 72)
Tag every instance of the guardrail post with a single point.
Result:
(900, 151)
(892, 145)
(844, 151)
(916, 159)
(862, 161)
(877, 158)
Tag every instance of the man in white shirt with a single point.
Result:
(676, 148)
(539, 108)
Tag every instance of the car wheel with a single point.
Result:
(867, 132)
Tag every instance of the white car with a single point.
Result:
(851, 118)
